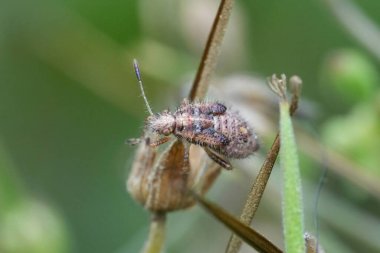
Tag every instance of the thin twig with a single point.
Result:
(257, 189)
(357, 24)
(211, 52)
(156, 238)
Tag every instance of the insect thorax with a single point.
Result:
(162, 123)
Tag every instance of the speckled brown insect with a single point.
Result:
(222, 132)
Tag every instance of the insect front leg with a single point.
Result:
(160, 141)
(222, 161)
(133, 141)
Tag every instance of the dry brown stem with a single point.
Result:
(211, 52)
(249, 235)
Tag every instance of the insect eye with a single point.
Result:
(166, 131)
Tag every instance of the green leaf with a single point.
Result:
(292, 208)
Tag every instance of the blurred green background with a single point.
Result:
(69, 100)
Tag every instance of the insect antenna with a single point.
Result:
(137, 71)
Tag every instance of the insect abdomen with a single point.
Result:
(242, 140)
(212, 125)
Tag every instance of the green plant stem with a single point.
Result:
(156, 238)
(293, 225)
(257, 189)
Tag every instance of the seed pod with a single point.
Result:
(161, 184)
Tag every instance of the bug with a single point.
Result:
(222, 132)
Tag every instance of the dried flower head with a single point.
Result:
(161, 183)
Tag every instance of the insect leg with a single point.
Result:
(186, 146)
(217, 109)
(160, 141)
(133, 141)
(210, 137)
(212, 108)
(206, 108)
(218, 159)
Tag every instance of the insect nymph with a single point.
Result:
(222, 132)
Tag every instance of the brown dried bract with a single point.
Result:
(162, 184)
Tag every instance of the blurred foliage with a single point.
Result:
(351, 76)
(69, 99)
(26, 225)
(355, 142)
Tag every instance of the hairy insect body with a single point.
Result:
(242, 141)
(195, 123)
(220, 131)
(210, 125)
